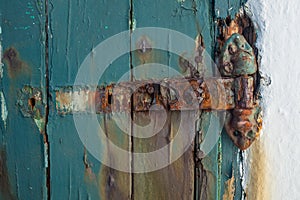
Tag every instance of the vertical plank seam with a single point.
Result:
(131, 27)
(220, 148)
(46, 136)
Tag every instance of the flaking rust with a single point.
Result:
(236, 58)
(168, 94)
(234, 91)
(31, 105)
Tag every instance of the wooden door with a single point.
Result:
(42, 156)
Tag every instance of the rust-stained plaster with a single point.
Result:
(258, 185)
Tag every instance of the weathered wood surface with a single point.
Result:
(22, 160)
(175, 181)
(74, 29)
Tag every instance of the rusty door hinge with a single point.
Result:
(233, 92)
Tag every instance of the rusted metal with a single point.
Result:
(234, 91)
(243, 90)
(237, 57)
(243, 126)
(218, 94)
(237, 60)
(169, 94)
(31, 104)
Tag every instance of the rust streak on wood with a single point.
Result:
(16, 66)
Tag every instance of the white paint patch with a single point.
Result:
(278, 42)
(4, 112)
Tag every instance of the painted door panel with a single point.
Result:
(44, 44)
(22, 161)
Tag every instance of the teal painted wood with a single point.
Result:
(76, 27)
(228, 8)
(192, 18)
(22, 160)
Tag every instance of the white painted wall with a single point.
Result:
(279, 42)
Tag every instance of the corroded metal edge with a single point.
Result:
(170, 94)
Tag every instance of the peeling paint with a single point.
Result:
(243, 167)
(4, 112)
(229, 189)
(1, 55)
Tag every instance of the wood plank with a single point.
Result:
(176, 181)
(76, 28)
(22, 160)
(230, 157)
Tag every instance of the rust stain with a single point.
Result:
(229, 189)
(5, 187)
(15, 65)
(259, 186)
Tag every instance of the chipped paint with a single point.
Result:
(4, 112)
(72, 100)
(132, 24)
(229, 189)
(243, 167)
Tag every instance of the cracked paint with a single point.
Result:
(4, 112)
(1, 54)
